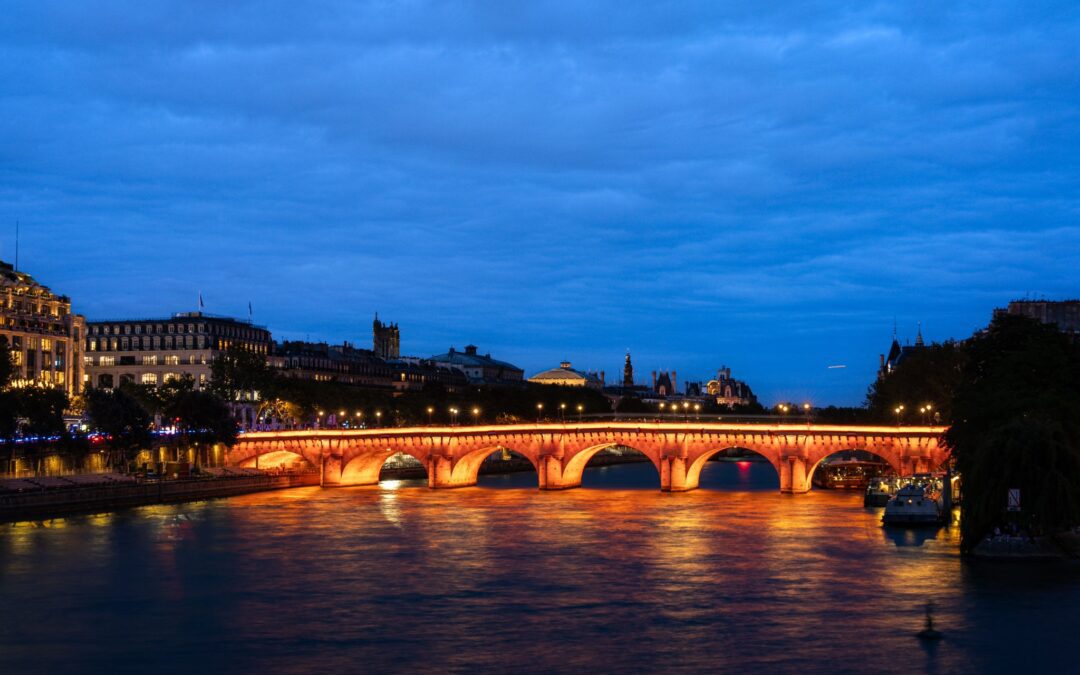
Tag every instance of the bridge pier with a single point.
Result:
(794, 477)
(673, 475)
(330, 471)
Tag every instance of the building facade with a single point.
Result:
(728, 391)
(156, 351)
(385, 339)
(324, 362)
(42, 333)
(480, 369)
(1065, 313)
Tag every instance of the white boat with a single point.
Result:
(915, 505)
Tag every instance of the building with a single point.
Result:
(324, 362)
(566, 376)
(480, 369)
(628, 373)
(664, 385)
(1065, 313)
(44, 336)
(385, 339)
(897, 354)
(413, 374)
(155, 351)
(728, 391)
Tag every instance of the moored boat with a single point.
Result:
(915, 504)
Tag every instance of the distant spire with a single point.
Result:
(918, 338)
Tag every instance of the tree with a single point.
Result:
(41, 412)
(201, 418)
(119, 416)
(1015, 425)
(7, 363)
(239, 373)
(926, 376)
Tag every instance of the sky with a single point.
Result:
(702, 183)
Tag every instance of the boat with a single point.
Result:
(879, 491)
(915, 504)
(848, 474)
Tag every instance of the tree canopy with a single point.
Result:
(928, 375)
(1015, 425)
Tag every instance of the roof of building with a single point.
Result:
(563, 372)
(469, 358)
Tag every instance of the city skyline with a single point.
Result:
(768, 191)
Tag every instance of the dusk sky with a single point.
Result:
(705, 183)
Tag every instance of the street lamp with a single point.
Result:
(661, 409)
(686, 410)
(453, 416)
(378, 417)
(898, 410)
(806, 410)
(580, 410)
(697, 411)
(562, 411)
(475, 414)
(539, 411)
(430, 412)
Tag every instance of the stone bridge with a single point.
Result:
(559, 452)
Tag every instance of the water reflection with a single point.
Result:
(605, 578)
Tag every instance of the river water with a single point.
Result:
(615, 576)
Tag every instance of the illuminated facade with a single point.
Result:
(566, 376)
(728, 391)
(155, 351)
(44, 336)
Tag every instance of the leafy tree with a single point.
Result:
(7, 363)
(121, 417)
(1015, 425)
(41, 412)
(239, 373)
(201, 418)
(926, 376)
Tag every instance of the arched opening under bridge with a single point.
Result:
(384, 466)
(278, 459)
(506, 468)
(733, 469)
(615, 465)
(852, 469)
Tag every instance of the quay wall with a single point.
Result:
(44, 504)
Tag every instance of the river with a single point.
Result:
(615, 576)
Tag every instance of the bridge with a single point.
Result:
(560, 451)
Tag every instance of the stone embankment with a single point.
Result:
(43, 498)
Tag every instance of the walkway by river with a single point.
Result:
(615, 576)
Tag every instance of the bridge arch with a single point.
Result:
(893, 459)
(275, 459)
(693, 472)
(466, 468)
(574, 467)
(364, 467)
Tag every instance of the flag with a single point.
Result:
(201, 305)
(249, 310)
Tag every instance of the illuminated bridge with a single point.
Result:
(559, 452)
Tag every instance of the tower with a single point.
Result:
(385, 339)
(628, 373)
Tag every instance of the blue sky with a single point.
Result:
(705, 184)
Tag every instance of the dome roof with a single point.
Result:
(564, 372)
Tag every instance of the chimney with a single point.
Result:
(674, 383)
(654, 380)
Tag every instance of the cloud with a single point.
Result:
(760, 187)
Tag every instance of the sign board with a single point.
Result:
(1014, 499)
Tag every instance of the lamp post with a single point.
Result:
(475, 415)
(661, 409)
(898, 410)
(806, 410)
(342, 420)
(430, 412)
(453, 416)
(580, 411)
(539, 411)
(378, 418)
(697, 411)
(562, 412)
(686, 411)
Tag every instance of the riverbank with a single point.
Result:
(55, 499)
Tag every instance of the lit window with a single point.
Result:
(149, 378)
(172, 360)
(150, 360)
(106, 360)
(169, 377)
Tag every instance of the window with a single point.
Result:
(172, 360)
(149, 378)
(46, 345)
(169, 377)
(106, 360)
(150, 360)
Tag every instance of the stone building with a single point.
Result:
(1065, 313)
(665, 384)
(566, 376)
(385, 339)
(728, 391)
(155, 351)
(480, 369)
(324, 362)
(897, 354)
(44, 336)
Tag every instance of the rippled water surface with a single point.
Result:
(615, 576)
